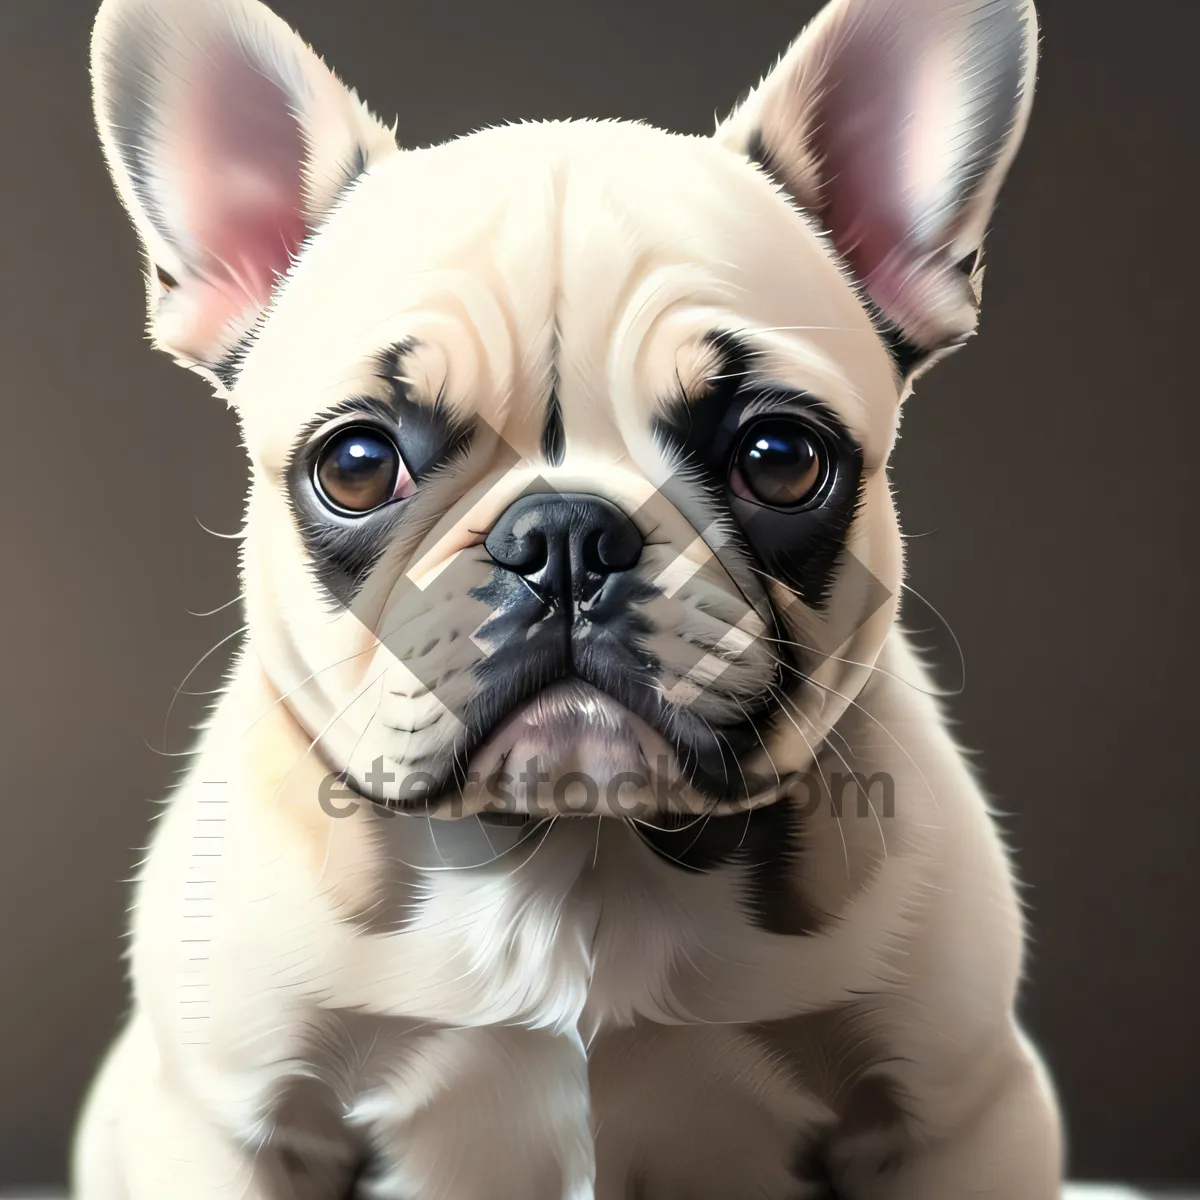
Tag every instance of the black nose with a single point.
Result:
(567, 543)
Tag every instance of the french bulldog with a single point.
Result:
(577, 821)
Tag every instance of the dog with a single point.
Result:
(577, 821)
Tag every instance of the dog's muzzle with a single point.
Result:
(565, 679)
(564, 597)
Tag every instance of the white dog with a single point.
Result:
(576, 821)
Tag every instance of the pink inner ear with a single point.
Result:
(863, 134)
(238, 158)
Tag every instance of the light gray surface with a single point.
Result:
(1079, 1191)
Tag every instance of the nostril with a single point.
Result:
(616, 547)
(534, 553)
(525, 552)
(620, 544)
(593, 554)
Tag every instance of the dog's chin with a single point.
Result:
(573, 750)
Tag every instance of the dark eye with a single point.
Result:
(781, 462)
(359, 469)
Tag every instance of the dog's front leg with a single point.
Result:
(992, 1132)
(486, 1113)
(141, 1138)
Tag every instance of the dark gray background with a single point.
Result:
(1048, 471)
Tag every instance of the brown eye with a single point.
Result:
(781, 462)
(360, 469)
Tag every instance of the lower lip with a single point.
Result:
(569, 728)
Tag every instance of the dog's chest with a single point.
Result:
(568, 949)
(580, 923)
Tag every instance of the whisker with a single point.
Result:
(212, 612)
(337, 716)
(350, 758)
(870, 716)
(816, 763)
(962, 658)
(227, 537)
(754, 726)
(866, 795)
(722, 738)
(380, 640)
(195, 667)
(849, 662)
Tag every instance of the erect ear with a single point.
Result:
(895, 122)
(229, 140)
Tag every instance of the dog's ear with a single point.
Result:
(229, 140)
(895, 122)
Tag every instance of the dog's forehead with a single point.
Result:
(597, 256)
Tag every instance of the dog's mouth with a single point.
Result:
(571, 748)
(574, 750)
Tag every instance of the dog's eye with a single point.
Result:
(359, 469)
(781, 462)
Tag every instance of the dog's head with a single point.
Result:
(569, 441)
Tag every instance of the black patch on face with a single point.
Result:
(798, 547)
(342, 547)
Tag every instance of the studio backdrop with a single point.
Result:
(1046, 478)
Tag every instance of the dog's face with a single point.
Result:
(568, 441)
